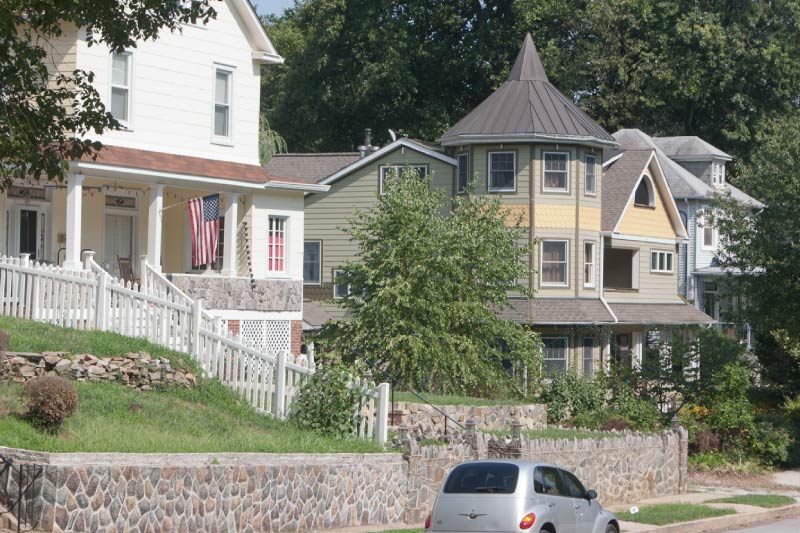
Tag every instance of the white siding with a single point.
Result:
(172, 90)
(283, 204)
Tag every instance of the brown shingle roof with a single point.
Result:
(314, 167)
(659, 314)
(314, 316)
(619, 179)
(557, 311)
(527, 104)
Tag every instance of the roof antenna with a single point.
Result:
(392, 134)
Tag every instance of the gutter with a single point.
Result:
(602, 279)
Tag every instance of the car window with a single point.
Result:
(553, 484)
(574, 487)
(472, 478)
(538, 481)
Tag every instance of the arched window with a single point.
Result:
(644, 194)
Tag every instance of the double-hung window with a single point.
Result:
(554, 263)
(555, 354)
(222, 103)
(556, 173)
(708, 233)
(590, 180)
(312, 262)
(661, 262)
(276, 245)
(340, 290)
(462, 179)
(121, 87)
(399, 171)
(588, 357)
(718, 173)
(502, 171)
(588, 264)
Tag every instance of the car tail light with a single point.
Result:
(527, 521)
(428, 522)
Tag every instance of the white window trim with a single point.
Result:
(586, 191)
(590, 284)
(702, 225)
(398, 169)
(545, 188)
(543, 283)
(286, 255)
(566, 351)
(465, 155)
(718, 173)
(489, 173)
(666, 254)
(220, 139)
(320, 262)
(584, 359)
(651, 196)
(336, 273)
(126, 124)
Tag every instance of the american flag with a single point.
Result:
(204, 217)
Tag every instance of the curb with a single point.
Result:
(727, 522)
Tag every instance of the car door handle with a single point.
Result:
(551, 505)
(577, 506)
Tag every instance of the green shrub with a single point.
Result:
(325, 403)
(769, 444)
(571, 395)
(49, 400)
(642, 414)
(731, 413)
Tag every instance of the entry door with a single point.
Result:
(117, 241)
(31, 232)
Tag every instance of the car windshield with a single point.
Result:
(475, 478)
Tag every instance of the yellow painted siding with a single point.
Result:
(647, 221)
(590, 218)
(549, 216)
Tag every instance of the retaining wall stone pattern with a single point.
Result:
(426, 421)
(242, 294)
(136, 370)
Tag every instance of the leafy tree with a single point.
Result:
(425, 292)
(714, 69)
(762, 244)
(45, 115)
(731, 413)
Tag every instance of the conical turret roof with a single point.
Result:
(526, 107)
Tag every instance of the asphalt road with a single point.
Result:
(782, 526)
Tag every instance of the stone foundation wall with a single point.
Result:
(136, 370)
(424, 420)
(242, 294)
(224, 492)
(621, 468)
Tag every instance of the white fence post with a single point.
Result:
(382, 414)
(144, 286)
(88, 259)
(102, 302)
(197, 315)
(280, 386)
(24, 260)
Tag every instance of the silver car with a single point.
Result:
(512, 496)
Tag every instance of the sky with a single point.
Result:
(271, 7)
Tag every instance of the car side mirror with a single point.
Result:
(591, 494)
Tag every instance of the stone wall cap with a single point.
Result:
(221, 459)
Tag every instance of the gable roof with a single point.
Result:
(314, 167)
(391, 147)
(689, 148)
(682, 183)
(263, 49)
(526, 107)
(620, 180)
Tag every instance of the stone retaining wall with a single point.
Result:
(242, 294)
(135, 370)
(223, 492)
(424, 420)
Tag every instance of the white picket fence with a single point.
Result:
(161, 313)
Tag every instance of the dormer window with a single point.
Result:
(718, 173)
(222, 104)
(644, 196)
(121, 87)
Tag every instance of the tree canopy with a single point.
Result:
(46, 115)
(713, 69)
(425, 291)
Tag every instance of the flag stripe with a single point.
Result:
(204, 218)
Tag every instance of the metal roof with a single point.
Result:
(527, 107)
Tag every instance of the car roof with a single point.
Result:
(517, 462)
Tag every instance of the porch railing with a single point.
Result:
(159, 312)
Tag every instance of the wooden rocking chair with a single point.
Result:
(126, 271)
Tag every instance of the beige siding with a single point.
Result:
(61, 52)
(653, 287)
(327, 213)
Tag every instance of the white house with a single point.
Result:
(189, 106)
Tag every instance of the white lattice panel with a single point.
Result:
(271, 336)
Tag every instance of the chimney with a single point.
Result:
(367, 147)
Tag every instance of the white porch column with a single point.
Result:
(637, 340)
(72, 260)
(156, 203)
(231, 217)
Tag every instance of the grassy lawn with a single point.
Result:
(759, 500)
(437, 399)
(28, 336)
(209, 418)
(670, 513)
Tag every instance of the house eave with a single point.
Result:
(305, 187)
(266, 58)
(482, 138)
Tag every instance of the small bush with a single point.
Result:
(571, 395)
(325, 404)
(617, 424)
(769, 444)
(49, 400)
